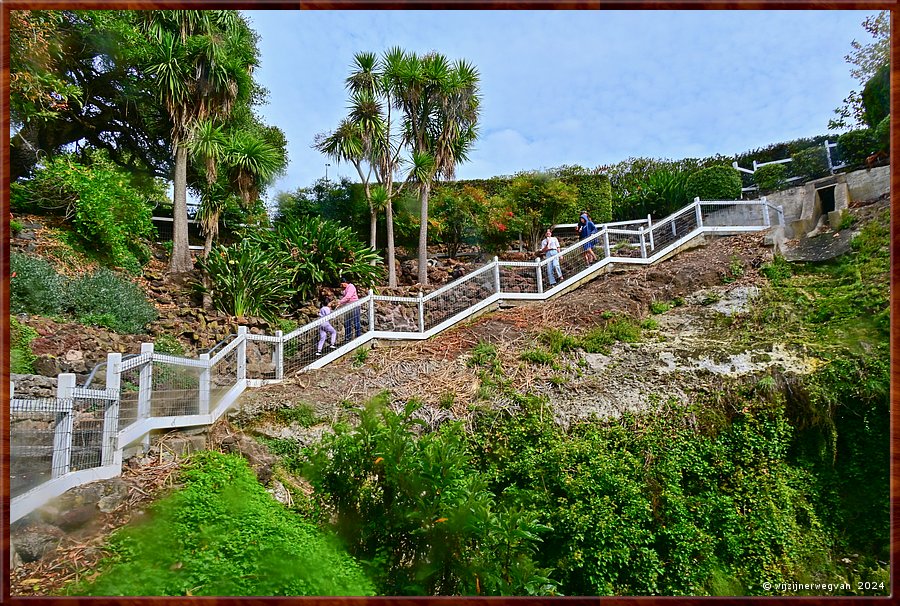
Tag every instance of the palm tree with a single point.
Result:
(440, 103)
(201, 65)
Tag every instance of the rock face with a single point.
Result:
(259, 458)
(36, 540)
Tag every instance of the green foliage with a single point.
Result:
(876, 96)
(247, 280)
(847, 220)
(312, 252)
(811, 163)
(15, 227)
(222, 535)
(499, 225)
(735, 269)
(35, 286)
(539, 201)
(883, 134)
(714, 183)
(539, 356)
(454, 215)
(770, 177)
(777, 271)
(360, 356)
(107, 212)
(168, 344)
(106, 299)
(21, 357)
(594, 191)
(855, 146)
(661, 193)
(558, 341)
(660, 307)
(485, 355)
(418, 514)
(302, 414)
(611, 330)
(286, 325)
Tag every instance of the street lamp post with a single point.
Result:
(326, 172)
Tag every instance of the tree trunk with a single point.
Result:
(389, 220)
(180, 261)
(423, 236)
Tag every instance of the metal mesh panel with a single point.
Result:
(300, 350)
(468, 292)
(129, 393)
(33, 425)
(518, 278)
(670, 230)
(176, 389)
(625, 244)
(733, 214)
(572, 261)
(88, 434)
(397, 315)
(261, 359)
(223, 375)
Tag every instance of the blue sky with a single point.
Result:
(575, 87)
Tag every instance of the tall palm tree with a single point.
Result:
(201, 65)
(440, 103)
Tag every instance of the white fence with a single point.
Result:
(80, 436)
(756, 165)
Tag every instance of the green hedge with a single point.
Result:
(714, 183)
(811, 163)
(883, 134)
(35, 286)
(855, 146)
(876, 96)
(770, 177)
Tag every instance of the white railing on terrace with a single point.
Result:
(80, 436)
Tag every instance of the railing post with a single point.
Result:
(145, 391)
(279, 355)
(371, 310)
(110, 447)
(605, 242)
(242, 353)
(12, 389)
(643, 243)
(780, 214)
(497, 273)
(697, 205)
(421, 305)
(204, 385)
(767, 221)
(650, 230)
(62, 436)
(537, 270)
(674, 235)
(828, 154)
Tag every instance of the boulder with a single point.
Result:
(35, 541)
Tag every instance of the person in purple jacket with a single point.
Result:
(325, 329)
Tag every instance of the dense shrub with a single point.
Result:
(876, 96)
(594, 194)
(222, 534)
(109, 215)
(855, 146)
(21, 357)
(883, 134)
(314, 251)
(454, 214)
(36, 287)
(811, 163)
(714, 183)
(661, 193)
(106, 299)
(770, 177)
(418, 514)
(248, 280)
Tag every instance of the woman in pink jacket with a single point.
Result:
(352, 318)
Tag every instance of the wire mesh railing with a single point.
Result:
(85, 430)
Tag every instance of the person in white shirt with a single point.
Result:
(550, 246)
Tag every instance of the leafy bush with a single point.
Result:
(106, 299)
(499, 226)
(15, 227)
(222, 534)
(660, 307)
(454, 215)
(538, 356)
(883, 134)
(311, 251)
(855, 146)
(770, 178)
(876, 96)
(109, 215)
(714, 183)
(21, 357)
(167, 344)
(248, 280)
(418, 514)
(811, 163)
(558, 341)
(538, 201)
(661, 193)
(616, 329)
(35, 287)
(594, 193)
